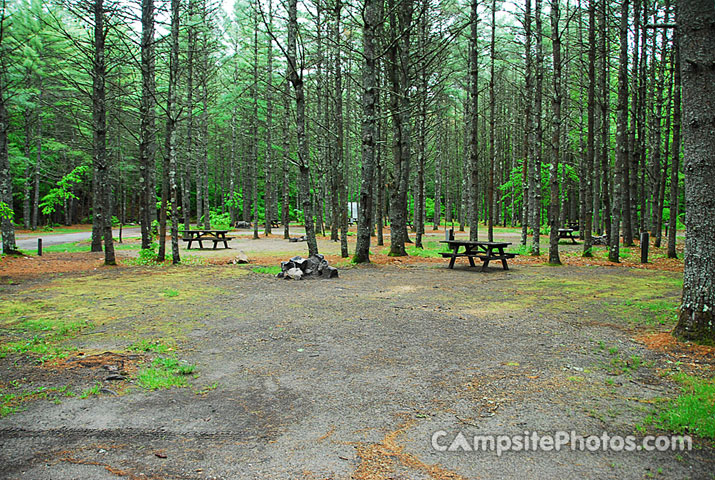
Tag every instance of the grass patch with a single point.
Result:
(272, 270)
(165, 372)
(144, 345)
(84, 246)
(94, 390)
(693, 411)
(170, 292)
(663, 312)
(28, 330)
(432, 249)
(13, 402)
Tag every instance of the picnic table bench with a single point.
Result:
(206, 235)
(484, 251)
(567, 233)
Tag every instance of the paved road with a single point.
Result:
(29, 241)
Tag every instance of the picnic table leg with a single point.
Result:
(453, 257)
(503, 259)
(486, 260)
(471, 259)
(573, 239)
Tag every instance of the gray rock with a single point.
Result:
(240, 258)
(330, 272)
(241, 224)
(294, 273)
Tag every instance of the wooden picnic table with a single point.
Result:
(484, 251)
(567, 233)
(205, 234)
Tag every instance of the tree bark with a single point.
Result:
(268, 155)
(696, 23)
(171, 121)
(7, 227)
(296, 80)
(492, 128)
(620, 176)
(555, 137)
(254, 127)
(371, 16)
(103, 196)
(147, 113)
(677, 120)
(400, 108)
(38, 163)
(527, 203)
(535, 181)
(473, 190)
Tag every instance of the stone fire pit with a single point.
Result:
(315, 266)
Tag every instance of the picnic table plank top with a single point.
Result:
(478, 242)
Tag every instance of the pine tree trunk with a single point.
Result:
(147, 113)
(631, 227)
(171, 121)
(555, 137)
(527, 183)
(204, 119)
(38, 164)
(605, 195)
(254, 128)
(369, 133)
(620, 176)
(677, 120)
(27, 187)
(492, 127)
(340, 163)
(7, 227)
(268, 155)
(191, 160)
(473, 191)
(285, 205)
(296, 80)
(696, 23)
(437, 216)
(103, 196)
(422, 93)
(400, 107)
(535, 186)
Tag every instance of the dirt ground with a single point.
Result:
(341, 379)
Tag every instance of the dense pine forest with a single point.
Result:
(424, 113)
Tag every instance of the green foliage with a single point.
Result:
(6, 212)
(170, 292)
(148, 256)
(513, 186)
(679, 223)
(220, 220)
(63, 191)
